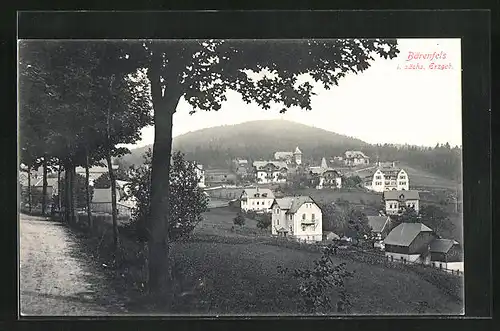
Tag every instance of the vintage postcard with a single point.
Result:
(240, 177)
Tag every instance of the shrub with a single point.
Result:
(314, 284)
(187, 200)
(239, 219)
(103, 181)
(264, 221)
(251, 214)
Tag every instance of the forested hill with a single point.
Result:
(216, 147)
(254, 140)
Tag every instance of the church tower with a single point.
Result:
(298, 156)
(324, 165)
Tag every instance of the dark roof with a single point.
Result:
(354, 154)
(405, 233)
(320, 171)
(442, 245)
(278, 164)
(292, 204)
(252, 191)
(404, 195)
(377, 223)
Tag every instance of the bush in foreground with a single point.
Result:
(239, 219)
(314, 285)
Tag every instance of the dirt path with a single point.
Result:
(56, 277)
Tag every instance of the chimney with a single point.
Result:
(393, 164)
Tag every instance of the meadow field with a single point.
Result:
(240, 276)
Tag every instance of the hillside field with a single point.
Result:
(240, 276)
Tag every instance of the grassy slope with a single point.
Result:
(242, 278)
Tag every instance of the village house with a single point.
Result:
(102, 201)
(388, 178)
(325, 176)
(409, 242)
(241, 167)
(297, 217)
(330, 236)
(94, 172)
(200, 173)
(380, 226)
(219, 176)
(355, 158)
(446, 254)
(37, 184)
(289, 158)
(256, 199)
(395, 201)
(36, 181)
(270, 171)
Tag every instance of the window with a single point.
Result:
(378, 177)
(257, 203)
(313, 217)
(277, 210)
(278, 221)
(290, 216)
(303, 216)
(253, 203)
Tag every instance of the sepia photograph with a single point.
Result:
(240, 177)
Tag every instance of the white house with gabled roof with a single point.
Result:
(355, 158)
(270, 171)
(297, 217)
(256, 199)
(289, 158)
(396, 201)
(387, 179)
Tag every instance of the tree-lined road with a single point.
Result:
(56, 277)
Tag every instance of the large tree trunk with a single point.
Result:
(67, 189)
(74, 198)
(29, 189)
(114, 208)
(87, 191)
(44, 188)
(70, 195)
(71, 192)
(160, 280)
(59, 201)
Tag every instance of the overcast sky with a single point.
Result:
(384, 104)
